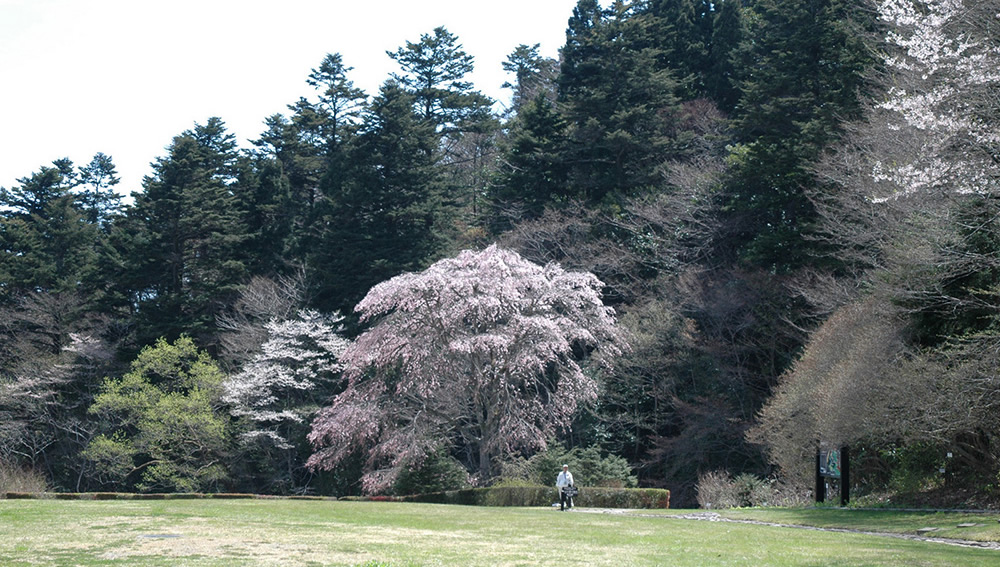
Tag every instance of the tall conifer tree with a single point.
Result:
(806, 72)
(46, 241)
(381, 221)
(185, 260)
(618, 102)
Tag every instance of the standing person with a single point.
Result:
(565, 479)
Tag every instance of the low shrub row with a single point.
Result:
(589, 497)
(144, 496)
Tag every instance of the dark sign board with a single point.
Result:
(829, 464)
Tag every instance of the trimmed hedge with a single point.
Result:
(147, 496)
(592, 497)
(589, 497)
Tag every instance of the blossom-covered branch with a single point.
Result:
(483, 352)
(944, 68)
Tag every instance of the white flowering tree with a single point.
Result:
(481, 354)
(943, 60)
(919, 213)
(286, 382)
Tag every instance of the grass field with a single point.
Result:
(295, 532)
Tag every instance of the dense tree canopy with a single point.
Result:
(790, 205)
(902, 369)
(162, 430)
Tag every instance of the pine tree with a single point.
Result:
(534, 173)
(434, 71)
(617, 100)
(381, 222)
(722, 74)
(99, 199)
(534, 75)
(184, 258)
(46, 241)
(807, 71)
(681, 31)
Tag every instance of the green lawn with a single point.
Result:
(295, 532)
(984, 527)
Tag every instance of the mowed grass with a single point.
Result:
(295, 532)
(950, 525)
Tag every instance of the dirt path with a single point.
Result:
(715, 517)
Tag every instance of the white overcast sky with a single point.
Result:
(124, 77)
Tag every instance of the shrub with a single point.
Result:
(20, 495)
(598, 497)
(589, 467)
(519, 496)
(16, 479)
(914, 467)
(230, 495)
(717, 490)
(439, 472)
(110, 496)
(640, 498)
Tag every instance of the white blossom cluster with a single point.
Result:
(298, 354)
(944, 68)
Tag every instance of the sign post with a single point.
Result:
(835, 464)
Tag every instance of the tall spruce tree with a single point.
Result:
(681, 32)
(46, 241)
(534, 75)
(298, 163)
(434, 71)
(184, 257)
(727, 33)
(98, 197)
(339, 110)
(617, 100)
(534, 173)
(381, 221)
(805, 63)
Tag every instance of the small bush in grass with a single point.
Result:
(719, 490)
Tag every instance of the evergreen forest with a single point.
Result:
(759, 228)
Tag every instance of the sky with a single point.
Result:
(123, 77)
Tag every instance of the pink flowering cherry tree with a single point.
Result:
(483, 354)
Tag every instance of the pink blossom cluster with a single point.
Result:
(485, 348)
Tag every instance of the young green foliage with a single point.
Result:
(163, 431)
